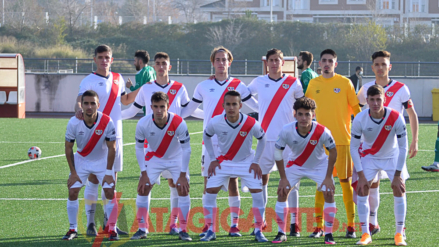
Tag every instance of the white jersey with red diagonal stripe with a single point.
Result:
(227, 132)
(209, 93)
(148, 129)
(78, 131)
(367, 128)
(290, 136)
(266, 88)
(102, 86)
(143, 97)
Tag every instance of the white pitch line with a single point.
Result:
(196, 198)
(29, 142)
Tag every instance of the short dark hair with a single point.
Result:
(328, 51)
(102, 48)
(159, 96)
(162, 55)
(142, 54)
(304, 103)
(89, 93)
(358, 68)
(307, 56)
(375, 90)
(232, 93)
(385, 54)
(274, 51)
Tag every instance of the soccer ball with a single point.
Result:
(34, 152)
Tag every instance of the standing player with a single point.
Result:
(277, 94)
(211, 93)
(384, 148)
(168, 150)
(236, 158)
(397, 97)
(435, 166)
(304, 62)
(307, 159)
(178, 98)
(110, 88)
(335, 99)
(96, 148)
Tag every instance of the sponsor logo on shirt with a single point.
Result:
(389, 94)
(267, 85)
(388, 127)
(285, 86)
(313, 142)
(317, 91)
(243, 133)
(295, 142)
(151, 133)
(337, 90)
(224, 133)
(369, 129)
(173, 91)
(212, 90)
(101, 83)
(81, 133)
(171, 133)
(99, 132)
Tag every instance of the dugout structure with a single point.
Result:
(12, 86)
(289, 68)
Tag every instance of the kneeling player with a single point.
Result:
(237, 159)
(168, 150)
(384, 148)
(96, 149)
(305, 138)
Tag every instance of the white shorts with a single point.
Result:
(267, 162)
(372, 167)
(205, 159)
(383, 175)
(84, 168)
(157, 166)
(232, 170)
(118, 159)
(317, 174)
(166, 174)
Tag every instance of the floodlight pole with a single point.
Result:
(271, 11)
(3, 15)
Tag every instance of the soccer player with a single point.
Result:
(178, 98)
(397, 97)
(307, 159)
(145, 73)
(277, 94)
(235, 158)
(96, 149)
(304, 62)
(110, 88)
(435, 166)
(335, 99)
(384, 148)
(168, 150)
(211, 93)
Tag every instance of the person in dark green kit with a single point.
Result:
(144, 74)
(435, 166)
(304, 62)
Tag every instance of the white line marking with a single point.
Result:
(29, 142)
(196, 198)
(55, 156)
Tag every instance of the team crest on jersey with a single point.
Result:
(388, 127)
(116, 82)
(337, 90)
(285, 86)
(313, 142)
(99, 132)
(231, 88)
(171, 133)
(173, 91)
(389, 94)
(243, 133)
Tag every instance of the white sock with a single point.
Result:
(112, 210)
(72, 212)
(91, 193)
(258, 210)
(265, 198)
(374, 203)
(235, 205)
(184, 204)
(104, 202)
(329, 215)
(210, 207)
(293, 204)
(281, 209)
(203, 201)
(363, 213)
(142, 203)
(174, 205)
(400, 207)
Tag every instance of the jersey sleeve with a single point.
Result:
(281, 140)
(308, 92)
(400, 128)
(362, 96)
(84, 86)
(70, 132)
(122, 85)
(257, 131)
(252, 87)
(298, 92)
(327, 139)
(184, 97)
(352, 98)
(405, 97)
(139, 101)
(304, 79)
(183, 133)
(244, 91)
(198, 96)
(110, 132)
(140, 134)
(356, 131)
(210, 131)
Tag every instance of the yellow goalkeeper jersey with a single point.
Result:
(336, 101)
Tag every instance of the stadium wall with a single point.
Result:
(54, 93)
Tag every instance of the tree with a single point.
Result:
(365, 40)
(71, 10)
(190, 9)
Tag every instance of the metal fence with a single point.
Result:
(239, 67)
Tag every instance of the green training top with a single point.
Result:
(307, 75)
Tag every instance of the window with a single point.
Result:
(386, 4)
(356, 2)
(276, 3)
(417, 6)
(296, 4)
(328, 1)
